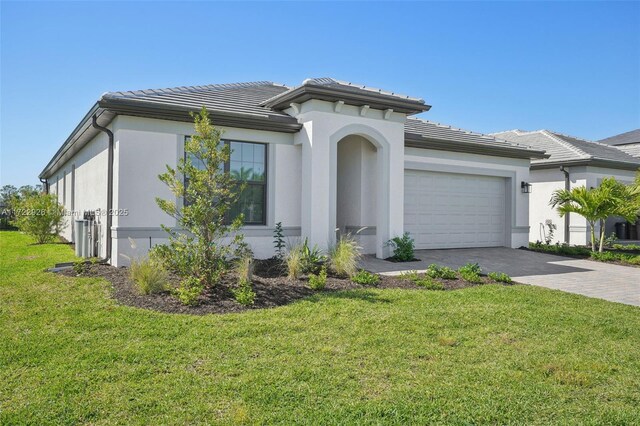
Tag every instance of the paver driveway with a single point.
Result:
(593, 279)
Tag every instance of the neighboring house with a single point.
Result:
(572, 162)
(328, 157)
(628, 142)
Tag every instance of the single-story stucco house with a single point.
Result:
(328, 157)
(572, 162)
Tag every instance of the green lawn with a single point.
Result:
(69, 354)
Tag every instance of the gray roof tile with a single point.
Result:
(432, 130)
(243, 98)
(623, 138)
(631, 149)
(564, 148)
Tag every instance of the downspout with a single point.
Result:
(94, 123)
(567, 220)
(45, 185)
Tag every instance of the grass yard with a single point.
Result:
(489, 354)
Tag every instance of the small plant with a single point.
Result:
(444, 272)
(500, 277)
(551, 230)
(148, 276)
(344, 256)
(410, 275)
(244, 268)
(80, 267)
(318, 282)
(312, 258)
(471, 272)
(189, 290)
(363, 277)
(244, 293)
(610, 241)
(429, 283)
(278, 241)
(293, 261)
(403, 248)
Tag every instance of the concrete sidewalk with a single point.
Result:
(593, 279)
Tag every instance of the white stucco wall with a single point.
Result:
(546, 181)
(324, 126)
(89, 191)
(148, 145)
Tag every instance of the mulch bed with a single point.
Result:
(270, 284)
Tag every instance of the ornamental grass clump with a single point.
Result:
(293, 262)
(344, 256)
(148, 276)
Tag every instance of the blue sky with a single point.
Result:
(573, 67)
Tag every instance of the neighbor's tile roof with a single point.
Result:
(242, 98)
(631, 149)
(562, 148)
(623, 138)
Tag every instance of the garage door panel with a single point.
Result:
(446, 210)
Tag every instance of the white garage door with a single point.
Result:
(447, 210)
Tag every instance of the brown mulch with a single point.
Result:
(271, 286)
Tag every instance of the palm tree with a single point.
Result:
(611, 198)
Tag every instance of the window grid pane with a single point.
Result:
(247, 164)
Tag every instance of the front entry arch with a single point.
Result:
(360, 187)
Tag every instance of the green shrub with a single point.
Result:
(444, 272)
(148, 276)
(605, 256)
(561, 249)
(318, 282)
(244, 293)
(471, 272)
(627, 247)
(40, 216)
(344, 256)
(293, 261)
(609, 256)
(363, 277)
(80, 267)
(429, 283)
(500, 277)
(312, 258)
(634, 260)
(189, 290)
(403, 248)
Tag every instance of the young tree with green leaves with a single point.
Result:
(207, 238)
(40, 216)
(611, 198)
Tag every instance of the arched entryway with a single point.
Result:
(360, 180)
(357, 183)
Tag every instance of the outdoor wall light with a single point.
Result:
(525, 187)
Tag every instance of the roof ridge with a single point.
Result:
(485, 135)
(192, 89)
(564, 143)
(364, 87)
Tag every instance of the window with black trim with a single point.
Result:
(248, 163)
